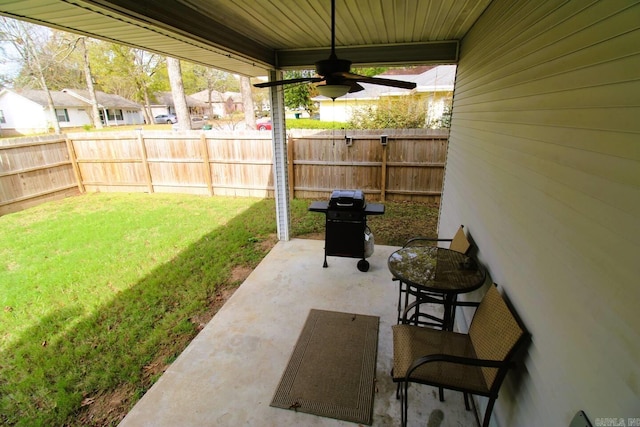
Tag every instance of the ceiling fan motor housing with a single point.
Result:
(333, 65)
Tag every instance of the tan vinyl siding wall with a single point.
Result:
(544, 171)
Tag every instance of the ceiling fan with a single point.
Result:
(335, 78)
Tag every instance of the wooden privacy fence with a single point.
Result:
(226, 164)
(34, 170)
(387, 165)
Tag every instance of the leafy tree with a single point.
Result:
(131, 73)
(198, 77)
(299, 95)
(369, 71)
(444, 121)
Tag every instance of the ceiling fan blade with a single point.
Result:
(355, 87)
(379, 81)
(290, 81)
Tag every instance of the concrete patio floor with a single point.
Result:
(228, 374)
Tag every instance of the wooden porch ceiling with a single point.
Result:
(250, 37)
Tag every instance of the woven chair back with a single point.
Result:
(460, 243)
(494, 331)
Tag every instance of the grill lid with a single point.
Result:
(347, 199)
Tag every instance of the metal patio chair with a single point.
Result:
(473, 363)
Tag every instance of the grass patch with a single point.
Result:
(315, 124)
(400, 222)
(100, 293)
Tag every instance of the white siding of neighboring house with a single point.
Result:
(22, 114)
(132, 117)
(78, 116)
(129, 117)
(25, 116)
(218, 109)
(342, 109)
(544, 171)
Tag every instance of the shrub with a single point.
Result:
(405, 112)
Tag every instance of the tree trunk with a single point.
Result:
(52, 107)
(247, 103)
(210, 102)
(95, 114)
(148, 115)
(177, 91)
(30, 54)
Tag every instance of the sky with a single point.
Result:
(9, 66)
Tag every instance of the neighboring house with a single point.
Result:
(116, 109)
(434, 87)
(222, 103)
(164, 105)
(27, 111)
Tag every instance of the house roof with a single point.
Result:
(60, 99)
(166, 98)
(437, 79)
(217, 97)
(105, 100)
(74, 98)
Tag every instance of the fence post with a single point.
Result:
(74, 163)
(207, 163)
(292, 177)
(145, 163)
(383, 183)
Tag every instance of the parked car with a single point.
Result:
(165, 118)
(197, 122)
(263, 123)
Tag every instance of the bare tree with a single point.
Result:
(95, 113)
(177, 91)
(28, 40)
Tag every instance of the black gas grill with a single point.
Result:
(346, 224)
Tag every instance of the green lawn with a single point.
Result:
(99, 293)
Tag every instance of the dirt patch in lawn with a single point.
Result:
(106, 409)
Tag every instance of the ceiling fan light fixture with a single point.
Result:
(333, 91)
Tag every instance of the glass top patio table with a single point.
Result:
(439, 270)
(436, 269)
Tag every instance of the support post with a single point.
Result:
(280, 170)
(291, 170)
(383, 172)
(207, 164)
(74, 163)
(145, 163)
